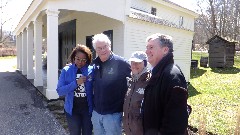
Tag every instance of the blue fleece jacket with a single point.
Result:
(67, 84)
(110, 84)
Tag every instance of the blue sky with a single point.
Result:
(15, 9)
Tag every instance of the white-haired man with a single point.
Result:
(110, 85)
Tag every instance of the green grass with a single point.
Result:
(8, 64)
(215, 93)
(7, 57)
(197, 55)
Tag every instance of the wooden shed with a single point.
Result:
(221, 52)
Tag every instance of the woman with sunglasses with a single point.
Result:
(75, 83)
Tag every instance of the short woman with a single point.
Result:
(75, 83)
(132, 119)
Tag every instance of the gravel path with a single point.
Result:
(23, 109)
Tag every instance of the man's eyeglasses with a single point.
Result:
(81, 60)
(101, 48)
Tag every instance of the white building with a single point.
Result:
(65, 23)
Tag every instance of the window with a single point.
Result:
(153, 11)
(181, 21)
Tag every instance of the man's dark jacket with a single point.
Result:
(165, 100)
(110, 84)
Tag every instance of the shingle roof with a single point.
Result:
(136, 14)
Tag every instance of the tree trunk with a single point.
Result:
(213, 18)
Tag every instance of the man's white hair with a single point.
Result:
(100, 38)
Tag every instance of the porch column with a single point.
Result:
(24, 52)
(38, 81)
(30, 74)
(20, 51)
(52, 53)
(17, 44)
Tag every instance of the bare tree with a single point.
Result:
(4, 35)
(236, 19)
(219, 17)
(213, 18)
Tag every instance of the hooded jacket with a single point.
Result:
(132, 119)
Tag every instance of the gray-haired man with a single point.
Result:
(165, 100)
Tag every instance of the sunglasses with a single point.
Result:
(81, 60)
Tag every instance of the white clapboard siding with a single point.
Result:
(137, 31)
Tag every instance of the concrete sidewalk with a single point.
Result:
(23, 109)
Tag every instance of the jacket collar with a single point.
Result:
(97, 60)
(168, 59)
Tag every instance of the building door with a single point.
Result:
(67, 41)
(90, 46)
(109, 33)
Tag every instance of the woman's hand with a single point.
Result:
(81, 80)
